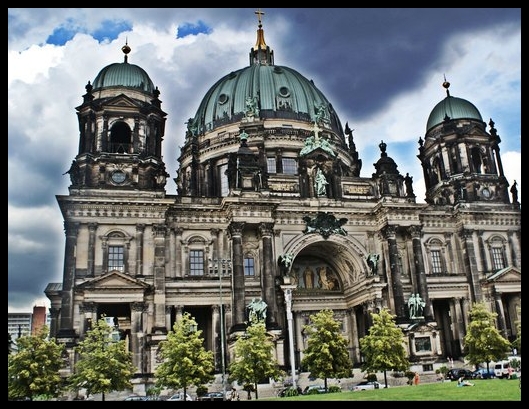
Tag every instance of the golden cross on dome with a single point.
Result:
(259, 14)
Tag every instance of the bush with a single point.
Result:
(291, 392)
(410, 375)
(371, 377)
(334, 388)
(201, 390)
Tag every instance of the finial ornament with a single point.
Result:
(259, 14)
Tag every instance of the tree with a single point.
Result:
(104, 364)
(185, 360)
(383, 348)
(483, 342)
(254, 358)
(326, 355)
(9, 344)
(34, 369)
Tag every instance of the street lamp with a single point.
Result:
(287, 291)
(221, 264)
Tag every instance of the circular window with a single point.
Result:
(223, 98)
(118, 176)
(284, 92)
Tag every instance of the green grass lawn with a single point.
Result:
(483, 390)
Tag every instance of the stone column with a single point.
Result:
(238, 297)
(420, 272)
(66, 329)
(501, 314)
(92, 227)
(470, 265)
(137, 336)
(269, 275)
(140, 228)
(459, 323)
(354, 343)
(178, 268)
(390, 233)
(159, 232)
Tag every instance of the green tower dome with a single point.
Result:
(452, 108)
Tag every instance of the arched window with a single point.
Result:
(115, 251)
(497, 253)
(120, 138)
(435, 250)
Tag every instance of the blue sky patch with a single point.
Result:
(188, 29)
(109, 30)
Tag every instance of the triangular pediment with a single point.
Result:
(121, 101)
(318, 153)
(507, 274)
(114, 280)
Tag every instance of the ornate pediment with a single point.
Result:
(507, 274)
(121, 101)
(114, 280)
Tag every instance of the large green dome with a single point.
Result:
(275, 92)
(452, 108)
(281, 92)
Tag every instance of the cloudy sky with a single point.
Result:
(382, 70)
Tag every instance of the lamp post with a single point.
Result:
(221, 263)
(287, 291)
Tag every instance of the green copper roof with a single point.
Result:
(453, 108)
(280, 92)
(124, 75)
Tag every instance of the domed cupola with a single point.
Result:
(121, 130)
(289, 123)
(452, 108)
(123, 75)
(460, 159)
(265, 90)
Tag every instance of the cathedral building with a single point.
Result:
(271, 210)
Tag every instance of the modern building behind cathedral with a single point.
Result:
(271, 209)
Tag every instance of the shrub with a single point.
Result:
(202, 390)
(371, 377)
(410, 375)
(291, 392)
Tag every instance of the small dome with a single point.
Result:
(281, 93)
(453, 108)
(124, 75)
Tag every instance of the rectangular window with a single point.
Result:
(498, 261)
(437, 267)
(271, 165)
(290, 166)
(116, 259)
(196, 263)
(249, 267)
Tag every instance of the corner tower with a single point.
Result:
(121, 129)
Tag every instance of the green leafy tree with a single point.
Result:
(9, 343)
(327, 354)
(34, 370)
(254, 358)
(483, 342)
(185, 360)
(383, 348)
(104, 364)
